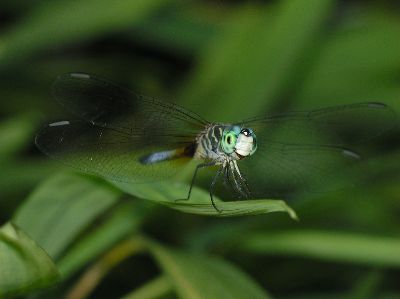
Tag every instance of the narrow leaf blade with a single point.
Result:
(24, 266)
(169, 194)
(198, 276)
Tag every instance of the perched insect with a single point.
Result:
(128, 137)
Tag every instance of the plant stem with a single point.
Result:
(92, 277)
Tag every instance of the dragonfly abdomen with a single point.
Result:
(162, 156)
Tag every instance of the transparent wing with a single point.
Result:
(118, 130)
(284, 169)
(344, 124)
(105, 104)
(307, 151)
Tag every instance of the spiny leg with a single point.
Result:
(231, 180)
(234, 181)
(202, 165)
(214, 181)
(227, 180)
(242, 180)
(238, 186)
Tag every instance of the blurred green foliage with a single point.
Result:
(227, 60)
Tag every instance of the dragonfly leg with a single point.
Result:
(214, 181)
(226, 178)
(235, 183)
(202, 165)
(243, 181)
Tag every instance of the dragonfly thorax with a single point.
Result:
(226, 142)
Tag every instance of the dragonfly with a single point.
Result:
(128, 137)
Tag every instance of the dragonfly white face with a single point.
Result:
(238, 142)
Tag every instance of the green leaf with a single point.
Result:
(15, 133)
(255, 58)
(167, 193)
(359, 62)
(156, 288)
(61, 208)
(123, 222)
(331, 246)
(71, 21)
(28, 177)
(183, 31)
(367, 286)
(198, 276)
(24, 266)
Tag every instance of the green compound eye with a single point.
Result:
(229, 142)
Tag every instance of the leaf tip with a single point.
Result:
(292, 213)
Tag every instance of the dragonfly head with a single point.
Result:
(239, 141)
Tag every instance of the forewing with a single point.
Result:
(117, 130)
(339, 125)
(106, 104)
